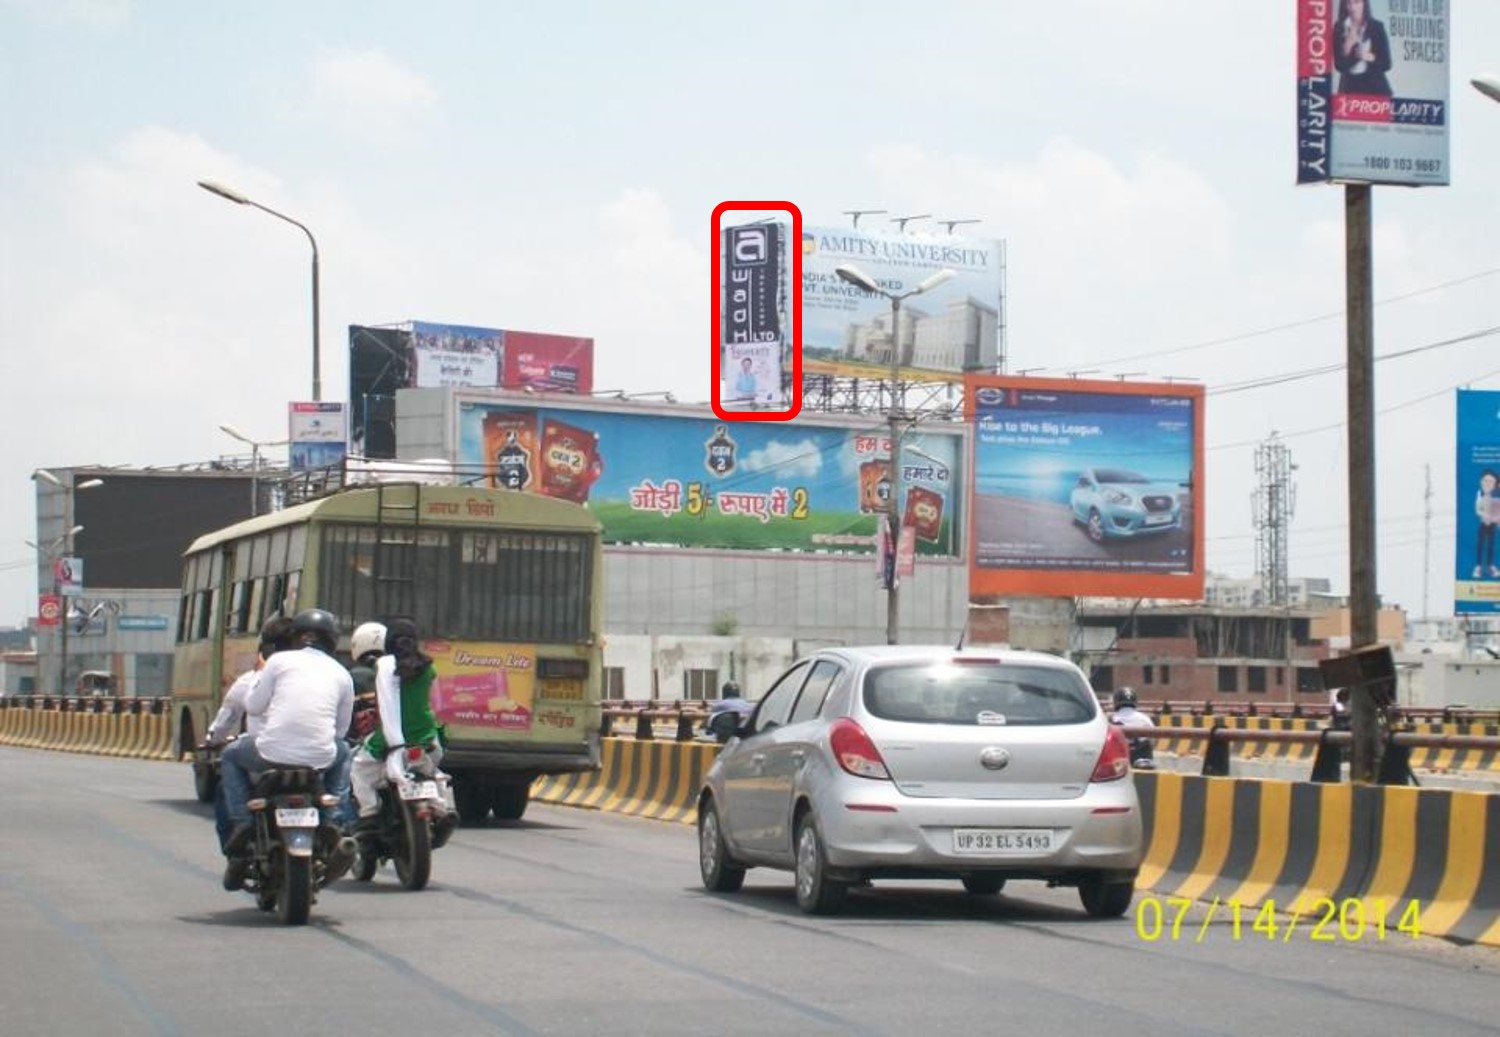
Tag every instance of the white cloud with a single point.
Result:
(367, 93)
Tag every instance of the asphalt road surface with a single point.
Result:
(573, 922)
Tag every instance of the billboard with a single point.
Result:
(690, 480)
(752, 284)
(317, 435)
(1372, 91)
(453, 355)
(383, 360)
(953, 327)
(1086, 488)
(137, 524)
(1476, 574)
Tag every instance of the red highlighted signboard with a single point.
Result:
(756, 338)
(48, 610)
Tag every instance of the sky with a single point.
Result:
(554, 167)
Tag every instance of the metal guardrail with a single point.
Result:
(1306, 711)
(1395, 763)
(147, 704)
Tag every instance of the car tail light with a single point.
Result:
(855, 751)
(1114, 758)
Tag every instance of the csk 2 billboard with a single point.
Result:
(1086, 488)
(688, 480)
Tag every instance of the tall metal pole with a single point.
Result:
(234, 196)
(893, 515)
(254, 479)
(317, 385)
(1363, 602)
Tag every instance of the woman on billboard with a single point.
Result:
(1362, 51)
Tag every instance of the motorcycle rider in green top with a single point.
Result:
(408, 737)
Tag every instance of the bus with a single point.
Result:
(505, 587)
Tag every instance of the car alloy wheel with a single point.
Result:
(817, 892)
(720, 873)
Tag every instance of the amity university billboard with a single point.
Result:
(1372, 91)
(1086, 488)
(952, 328)
(684, 478)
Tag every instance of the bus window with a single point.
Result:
(525, 587)
(296, 548)
(276, 561)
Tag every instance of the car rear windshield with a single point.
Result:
(978, 693)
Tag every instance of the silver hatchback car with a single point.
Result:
(925, 762)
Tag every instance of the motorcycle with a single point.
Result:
(1142, 751)
(291, 846)
(416, 817)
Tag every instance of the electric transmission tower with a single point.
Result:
(1272, 504)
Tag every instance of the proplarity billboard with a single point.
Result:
(689, 481)
(1476, 584)
(1372, 91)
(422, 354)
(1086, 488)
(952, 327)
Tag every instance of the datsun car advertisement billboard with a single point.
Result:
(1086, 488)
(690, 480)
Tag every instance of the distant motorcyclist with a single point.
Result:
(1142, 753)
(407, 735)
(366, 645)
(727, 713)
(304, 699)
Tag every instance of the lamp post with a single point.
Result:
(51, 554)
(1489, 86)
(857, 277)
(255, 445)
(234, 196)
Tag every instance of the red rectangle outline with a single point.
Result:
(1084, 582)
(794, 247)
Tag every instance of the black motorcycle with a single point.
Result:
(415, 818)
(290, 848)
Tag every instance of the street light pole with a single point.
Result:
(234, 196)
(857, 277)
(255, 445)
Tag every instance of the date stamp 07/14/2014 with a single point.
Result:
(1323, 920)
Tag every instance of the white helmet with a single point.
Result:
(367, 637)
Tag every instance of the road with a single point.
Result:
(574, 922)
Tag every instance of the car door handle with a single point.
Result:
(758, 759)
(798, 755)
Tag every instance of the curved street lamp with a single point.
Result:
(230, 194)
(1489, 86)
(255, 445)
(857, 277)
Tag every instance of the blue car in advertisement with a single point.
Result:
(1116, 502)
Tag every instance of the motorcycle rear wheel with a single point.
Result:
(413, 858)
(294, 897)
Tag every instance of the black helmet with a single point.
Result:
(318, 627)
(275, 636)
(1125, 697)
(730, 690)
